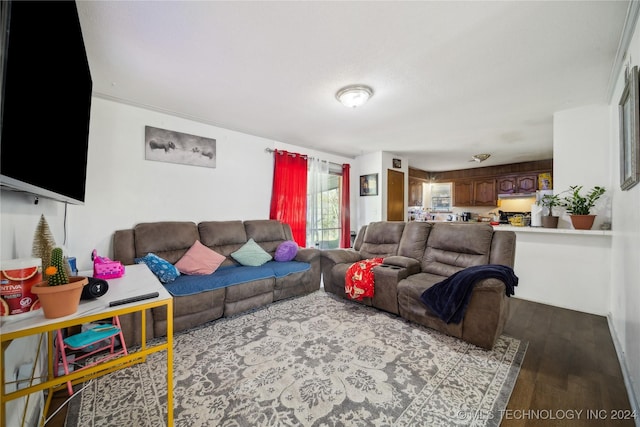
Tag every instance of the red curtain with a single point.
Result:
(289, 194)
(345, 204)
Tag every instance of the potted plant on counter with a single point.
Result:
(549, 201)
(579, 206)
(60, 294)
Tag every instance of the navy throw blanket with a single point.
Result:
(449, 298)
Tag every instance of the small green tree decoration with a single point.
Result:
(56, 272)
(43, 243)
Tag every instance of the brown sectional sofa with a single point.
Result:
(170, 240)
(418, 255)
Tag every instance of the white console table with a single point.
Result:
(138, 280)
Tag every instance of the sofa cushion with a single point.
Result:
(234, 275)
(167, 239)
(381, 239)
(414, 239)
(199, 259)
(286, 251)
(251, 254)
(223, 237)
(453, 247)
(163, 269)
(269, 233)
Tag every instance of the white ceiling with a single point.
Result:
(451, 78)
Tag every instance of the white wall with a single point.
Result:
(625, 250)
(369, 208)
(581, 157)
(564, 270)
(374, 208)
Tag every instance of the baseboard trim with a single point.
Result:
(633, 400)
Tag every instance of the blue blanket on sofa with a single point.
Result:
(449, 298)
(232, 275)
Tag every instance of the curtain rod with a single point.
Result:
(270, 150)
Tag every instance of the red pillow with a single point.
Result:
(199, 260)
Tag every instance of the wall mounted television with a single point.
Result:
(46, 100)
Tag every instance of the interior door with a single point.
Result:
(395, 195)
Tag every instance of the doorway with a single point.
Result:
(395, 195)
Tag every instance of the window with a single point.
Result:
(323, 205)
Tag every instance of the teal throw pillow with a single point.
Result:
(163, 269)
(251, 254)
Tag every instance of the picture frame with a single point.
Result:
(629, 113)
(162, 145)
(397, 163)
(369, 185)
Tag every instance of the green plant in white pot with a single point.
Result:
(579, 206)
(549, 201)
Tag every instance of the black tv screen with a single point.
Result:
(46, 100)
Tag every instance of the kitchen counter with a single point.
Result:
(506, 227)
(528, 229)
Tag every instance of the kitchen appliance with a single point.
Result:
(465, 216)
(505, 217)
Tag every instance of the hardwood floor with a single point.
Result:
(570, 375)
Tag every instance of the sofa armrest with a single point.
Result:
(387, 277)
(341, 256)
(490, 285)
(307, 254)
(334, 263)
(412, 265)
(486, 313)
(124, 246)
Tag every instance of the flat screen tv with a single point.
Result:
(46, 100)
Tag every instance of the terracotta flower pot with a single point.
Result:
(62, 300)
(582, 222)
(549, 221)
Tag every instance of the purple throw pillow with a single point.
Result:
(286, 251)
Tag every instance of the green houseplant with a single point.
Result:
(579, 206)
(60, 294)
(549, 201)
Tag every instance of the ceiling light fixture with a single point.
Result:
(479, 157)
(354, 96)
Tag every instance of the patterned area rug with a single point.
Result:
(315, 360)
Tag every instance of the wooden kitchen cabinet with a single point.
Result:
(507, 185)
(481, 192)
(463, 193)
(517, 184)
(527, 183)
(484, 192)
(415, 192)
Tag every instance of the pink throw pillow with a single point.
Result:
(199, 260)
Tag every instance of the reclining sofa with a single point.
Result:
(416, 256)
(171, 240)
